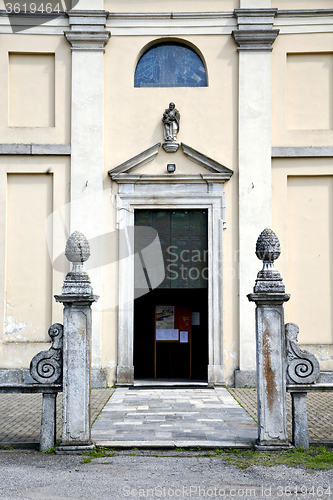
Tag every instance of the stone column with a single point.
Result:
(254, 38)
(77, 297)
(48, 423)
(88, 38)
(299, 420)
(269, 296)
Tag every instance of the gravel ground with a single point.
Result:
(30, 475)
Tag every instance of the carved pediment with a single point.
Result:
(126, 169)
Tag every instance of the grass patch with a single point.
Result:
(98, 452)
(318, 458)
(50, 451)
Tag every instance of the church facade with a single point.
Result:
(170, 134)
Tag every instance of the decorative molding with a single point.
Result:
(170, 15)
(206, 162)
(87, 30)
(304, 13)
(255, 29)
(181, 179)
(35, 149)
(46, 366)
(302, 151)
(136, 162)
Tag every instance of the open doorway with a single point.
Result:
(171, 321)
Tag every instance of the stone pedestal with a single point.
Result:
(77, 297)
(170, 146)
(269, 296)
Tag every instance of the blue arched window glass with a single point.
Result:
(170, 65)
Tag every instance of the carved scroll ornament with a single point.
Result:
(46, 366)
(302, 366)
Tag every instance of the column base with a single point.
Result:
(125, 375)
(269, 446)
(216, 375)
(74, 449)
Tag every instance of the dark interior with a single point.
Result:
(172, 359)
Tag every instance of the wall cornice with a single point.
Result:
(168, 23)
(305, 13)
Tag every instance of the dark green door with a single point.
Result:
(183, 239)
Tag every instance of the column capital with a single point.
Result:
(87, 30)
(255, 29)
(268, 299)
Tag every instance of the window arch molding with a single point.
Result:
(170, 41)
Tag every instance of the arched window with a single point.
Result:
(170, 64)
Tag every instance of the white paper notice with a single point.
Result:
(195, 318)
(167, 334)
(183, 337)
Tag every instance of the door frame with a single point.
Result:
(195, 191)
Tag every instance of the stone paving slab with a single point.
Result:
(159, 418)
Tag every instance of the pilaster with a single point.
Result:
(88, 38)
(254, 37)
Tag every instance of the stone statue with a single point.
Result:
(171, 119)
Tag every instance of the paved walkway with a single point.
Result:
(173, 417)
(20, 415)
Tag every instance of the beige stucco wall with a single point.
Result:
(302, 193)
(24, 78)
(34, 109)
(31, 188)
(302, 90)
(301, 4)
(302, 96)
